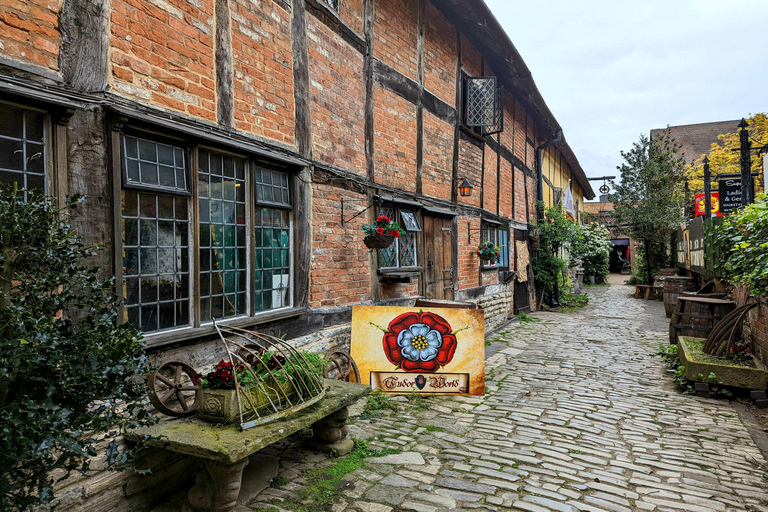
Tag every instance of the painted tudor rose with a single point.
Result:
(231, 152)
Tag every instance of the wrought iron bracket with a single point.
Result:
(376, 202)
(470, 229)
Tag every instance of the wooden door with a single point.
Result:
(523, 267)
(438, 258)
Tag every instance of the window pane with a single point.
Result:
(22, 148)
(219, 267)
(272, 286)
(410, 222)
(272, 186)
(407, 243)
(159, 258)
(151, 163)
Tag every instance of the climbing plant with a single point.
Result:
(744, 235)
(69, 382)
(593, 248)
(556, 230)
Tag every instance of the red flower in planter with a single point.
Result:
(419, 342)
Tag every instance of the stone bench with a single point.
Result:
(224, 449)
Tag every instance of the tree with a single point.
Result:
(722, 157)
(69, 374)
(648, 202)
(593, 249)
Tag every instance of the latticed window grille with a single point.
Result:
(500, 238)
(333, 4)
(22, 148)
(483, 104)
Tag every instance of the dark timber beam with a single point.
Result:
(84, 54)
(224, 76)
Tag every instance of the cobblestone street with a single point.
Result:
(578, 415)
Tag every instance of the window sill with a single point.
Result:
(471, 134)
(399, 275)
(168, 337)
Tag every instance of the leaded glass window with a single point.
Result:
(155, 260)
(223, 242)
(272, 259)
(500, 238)
(22, 148)
(155, 165)
(402, 253)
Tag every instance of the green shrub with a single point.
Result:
(68, 372)
(593, 249)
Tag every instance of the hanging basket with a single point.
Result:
(487, 257)
(378, 241)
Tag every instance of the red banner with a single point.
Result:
(715, 201)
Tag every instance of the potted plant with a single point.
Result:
(382, 233)
(267, 380)
(487, 251)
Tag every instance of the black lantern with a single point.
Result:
(465, 188)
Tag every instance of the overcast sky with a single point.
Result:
(611, 70)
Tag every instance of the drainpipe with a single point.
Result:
(539, 166)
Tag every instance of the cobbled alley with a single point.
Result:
(579, 415)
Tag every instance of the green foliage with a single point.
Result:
(377, 402)
(745, 237)
(640, 273)
(593, 248)
(323, 483)
(556, 230)
(68, 372)
(648, 202)
(526, 318)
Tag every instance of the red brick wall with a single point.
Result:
(438, 157)
(520, 128)
(164, 55)
(395, 29)
(337, 99)
(531, 199)
(470, 58)
(490, 277)
(29, 32)
(505, 197)
(394, 140)
(490, 180)
(468, 262)
(340, 272)
(263, 70)
(519, 204)
(507, 136)
(470, 165)
(351, 11)
(756, 325)
(391, 290)
(439, 56)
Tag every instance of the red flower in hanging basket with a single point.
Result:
(379, 231)
(382, 233)
(383, 218)
(419, 342)
(395, 233)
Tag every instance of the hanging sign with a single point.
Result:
(420, 350)
(714, 202)
(730, 194)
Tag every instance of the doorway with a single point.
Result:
(438, 258)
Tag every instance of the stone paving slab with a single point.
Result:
(578, 416)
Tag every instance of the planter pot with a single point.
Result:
(737, 376)
(378, 241)
(220, 405)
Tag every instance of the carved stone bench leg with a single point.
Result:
(217, 486)
(330, 434)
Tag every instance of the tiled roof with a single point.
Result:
(696, 140)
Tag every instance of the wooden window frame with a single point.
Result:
(197, 328)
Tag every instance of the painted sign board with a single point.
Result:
(730, 194)
(420, 350)
(714, 202)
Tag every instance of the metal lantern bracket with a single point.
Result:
(470, 229)
(376, 202)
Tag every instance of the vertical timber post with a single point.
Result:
(707, 191)
(746, 171)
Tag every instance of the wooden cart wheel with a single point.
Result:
(172, 389)
(340, 366)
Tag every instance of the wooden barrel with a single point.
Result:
(674, 286)
(658, 287)
(697, 316)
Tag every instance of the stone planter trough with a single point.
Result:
(736, 376)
